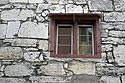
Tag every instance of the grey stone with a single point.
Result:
(70, 8)
(18, 1)
(4, 1)
(110, 79)
(18, 5)
(7, 6)
(107, 47)
(117, 33)
(48, 79)
(53, 1)
(16, 14)
(57, 8)
(10, 53)
(84, 78)
(3, 28)
(33, 56)
(78, 67)
(36, 1)
(114, 16)
(43, 44)
(18, 70)
(119, 5)
(104, 33)
(33, 30)
(52, 68)
(100, 5)
(42, 7)
(12, 29)
(12, 80)
(123, 79)
(21, 42)
(119, 53)
(79, 1)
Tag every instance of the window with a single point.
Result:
(75, 35)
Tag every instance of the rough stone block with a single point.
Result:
(114, 16)
(47, 79)
(57, 8)
(11, 53)
(84, 78)
(18, 1)
(117, 33)
(123, 79)
(42, 7)
(4, 1)
(21, 42)
(101, 5)
(33, 30)
(119, 5)
(16, 14)
(70, 8)
(82, 67)
(18, 70)
(52, 68)
(3, 28)
(12, 29)
(110, 79)
(7, 6)
(104, 33)
(36, 1)
(43, 44)
(119, 53)
(12, 80)
(52, 1)
(33, 56)
(107, 47)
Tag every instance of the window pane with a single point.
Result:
(85, 50)
(64, 49)
(64, 30)
(64, 40)
(86, 41)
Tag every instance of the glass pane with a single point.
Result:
(86, 40)
(64, 40)
(64, 49)
(85, 50)
(64, 30)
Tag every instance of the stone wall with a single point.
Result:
(24, 43)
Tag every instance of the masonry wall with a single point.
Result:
(24, 43)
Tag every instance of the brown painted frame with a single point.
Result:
(57, 18)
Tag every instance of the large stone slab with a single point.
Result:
(114, 16)
(70, 8)
(12, 29)
(33, 56)
(101, 5)
(21, 42)
(119, 53)
(43, 44)
(84, 78)
(11, 53)
(36, 1)
(18, 1)
(16, 14)
(48, 79)
(3, 28)
(78, 67)
(33, 30)
(17, 70)
(110, 79)
(57, 8)
(52, 68)
(119, 5)
(117, 34)
(4, 1)
(12, 80)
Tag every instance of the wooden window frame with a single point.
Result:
(69, 18)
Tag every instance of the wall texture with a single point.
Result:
(24, 43)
